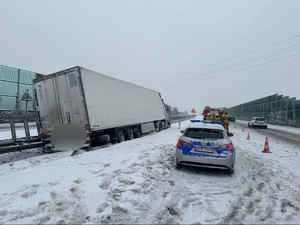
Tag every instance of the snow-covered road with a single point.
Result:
(136, 182)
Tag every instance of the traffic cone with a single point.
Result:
(266, 148)
(248, 137)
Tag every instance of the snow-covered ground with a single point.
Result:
(135, 182)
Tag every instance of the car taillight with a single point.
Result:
(180, 143)
(230, 147)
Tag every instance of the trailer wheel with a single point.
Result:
(121, 136)
(130, 134)
(137, 132)
(160, 127)
(100, 140)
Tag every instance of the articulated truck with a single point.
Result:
(110, 110)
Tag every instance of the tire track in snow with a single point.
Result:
(265, 196)
(135, 191)
(56, 209)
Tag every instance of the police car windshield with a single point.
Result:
(202, 133)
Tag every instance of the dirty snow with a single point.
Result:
(136, 182)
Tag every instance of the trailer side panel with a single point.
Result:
(114, 103)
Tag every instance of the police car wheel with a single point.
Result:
(230, 171)
(178, 167)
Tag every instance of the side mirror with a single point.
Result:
(182, 131)
(230, 134)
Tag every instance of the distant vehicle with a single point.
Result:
(205, 144)
(232, 119)
(257, 122)
(213, 111)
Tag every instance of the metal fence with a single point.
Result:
(277, 109)
(14, 84)
(177, 118)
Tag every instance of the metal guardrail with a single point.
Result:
(177, 118)
(15, 144)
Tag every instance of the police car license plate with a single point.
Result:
(204, 149)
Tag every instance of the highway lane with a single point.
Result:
(288, 136)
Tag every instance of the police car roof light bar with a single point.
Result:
(206, 121)
(196, 121)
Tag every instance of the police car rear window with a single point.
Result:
(260, 119)
(200, 133)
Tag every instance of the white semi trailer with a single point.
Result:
(108, 108)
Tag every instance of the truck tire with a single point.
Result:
(137, 132)
(130, 134)
(121, 135)
(160, 127)
(100, 140)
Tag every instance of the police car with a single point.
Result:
(205, 144)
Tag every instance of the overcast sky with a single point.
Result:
(194, 52)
